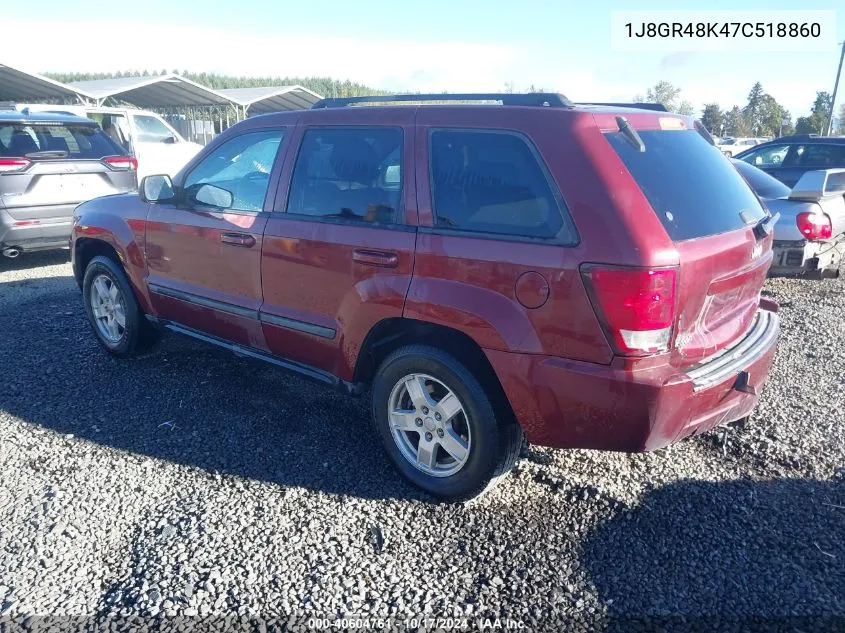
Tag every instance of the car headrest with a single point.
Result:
(22, 144)
(355, 160)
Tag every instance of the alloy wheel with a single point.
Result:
(108, 308)
(429, 425)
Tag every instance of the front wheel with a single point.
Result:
(113, 312)
(438, 424)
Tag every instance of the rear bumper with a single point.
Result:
(802, 258)
(51, 229)
(571, 404)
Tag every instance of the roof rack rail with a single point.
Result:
(658, 107)
(807, 137)
(547, 99)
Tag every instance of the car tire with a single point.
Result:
(486, 444)
(112, 310)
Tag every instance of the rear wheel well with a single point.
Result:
(391, 334)
(87, 249)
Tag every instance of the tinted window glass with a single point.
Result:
(693, 189)
(762, 183)
(80, 141)
(352, 174)
(491, 182)
(771, 156)
(241, 166)
(823, 155)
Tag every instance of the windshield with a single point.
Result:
(58, 140)
(693, 189)
(762, 183)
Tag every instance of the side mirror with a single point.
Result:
(214, 196)
(157, 189)
(169, 140)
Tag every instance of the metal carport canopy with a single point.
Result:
(21, 86)
(162, 91)
(272, 98)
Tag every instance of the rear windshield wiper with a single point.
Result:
(762, 227)
(50, 153)
(630, 133)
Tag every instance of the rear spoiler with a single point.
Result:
(658, 107)
(819, 184)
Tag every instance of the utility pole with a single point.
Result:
(835, 88)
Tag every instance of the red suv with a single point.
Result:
(584, 276)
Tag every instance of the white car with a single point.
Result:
(809, 237)
(733, 146)
(158, 148)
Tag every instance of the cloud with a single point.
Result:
(391, 62)
(397, 63)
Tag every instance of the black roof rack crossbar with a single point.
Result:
(657, 107)
(549, 99)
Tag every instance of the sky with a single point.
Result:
(411, 45)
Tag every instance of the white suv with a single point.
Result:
(158, 148)
(732, 147)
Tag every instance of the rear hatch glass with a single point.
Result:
(709, 212)
(79, 141)
(692, 187)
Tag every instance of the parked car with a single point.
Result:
(49, 163)
(809, 236)
(733, 146)
(487, 271)
(790, 157)
(158, 148)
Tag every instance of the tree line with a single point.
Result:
(761, 115)
(325, 86)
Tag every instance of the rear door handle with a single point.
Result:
(238, 239)
(376, 258)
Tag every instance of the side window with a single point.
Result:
(823, 156)
(239, 168)
(492, 182)
(151, 130)
(768, 157)
(349, 173)
(115, 126)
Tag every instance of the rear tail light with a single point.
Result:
(636, 306)
(814, 226)
(13, 164)
(121, 162)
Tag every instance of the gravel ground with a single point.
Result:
(192, 484)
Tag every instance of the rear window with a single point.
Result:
(79, 140)
(762, 183)
(692, 187)
(489, 181)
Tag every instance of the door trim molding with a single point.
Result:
(246, 313)
(299, 326)
(205, 302)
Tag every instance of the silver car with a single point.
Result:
(49, 163)
(810, 233)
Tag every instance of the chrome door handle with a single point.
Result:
(238, 239)
(376, 258)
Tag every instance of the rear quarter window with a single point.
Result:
(694, 190)
(80, 141)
